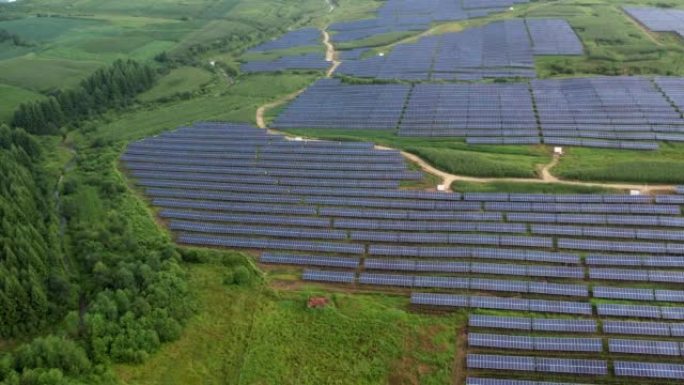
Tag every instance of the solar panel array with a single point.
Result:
(618, 110)
(607, 112)
(497, 381)
(659, 19)
(537, 364)
(553, 37)
(649, 370)
(407, 15)
(533, 324)
(496, 50)
(498, 110)
(307, 61)
(336, 209)
(298, 38)
(330, 104)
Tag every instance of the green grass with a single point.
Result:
(663, 166)
(255, 335)
(42, 29)
(537, 188)
(237, 102)
(614, 43)
(179, 80)
(39, 74)
(451, 154)
(11, 97)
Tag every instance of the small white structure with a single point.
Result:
(558, 150)
(381, 54)
(441, 187)
(634, 192)
(299, 139)
(212, 63)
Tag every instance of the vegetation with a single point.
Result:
(663, 166)
(93, 290)
(451, 154)
(112, 87)
(535, 188)
(270, 337)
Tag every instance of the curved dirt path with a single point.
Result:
(448, 179)
(330, 54)
(546, 170)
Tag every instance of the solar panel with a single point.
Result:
(496, 322)
(646, 347)
(328, 276)
(636, 328)
(648, 370)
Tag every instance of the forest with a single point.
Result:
(111, 87)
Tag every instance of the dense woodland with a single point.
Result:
(113, 87)
(71, 258)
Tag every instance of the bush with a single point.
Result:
(241, 275)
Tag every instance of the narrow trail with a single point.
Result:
(330, 54)
(547, 177)
(447, 179)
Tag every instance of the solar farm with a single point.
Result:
(593, 283)
(606, 112)
(544, 289)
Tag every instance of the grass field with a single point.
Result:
(11, 97)
(451, 154)
(259, 335)
(237, 102)
(180, 80)
(41, 74)
(663, 166)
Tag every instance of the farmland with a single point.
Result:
(164, 236)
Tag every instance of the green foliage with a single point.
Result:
(252, 335)
(663, 166)
(241, 275)
(34, 287)
(536, 188)
(112, 87)
(183, 80)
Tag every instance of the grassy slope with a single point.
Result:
(180, 80)
(11, 98)
(270, 337)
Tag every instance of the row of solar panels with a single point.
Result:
(424, 220)
(575, 366)
(537, 364)
(603, 309)
(585, 326)
(571, 344)
(500, 303)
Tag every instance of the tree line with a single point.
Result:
(113, 87)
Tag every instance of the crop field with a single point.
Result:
(333, 255)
